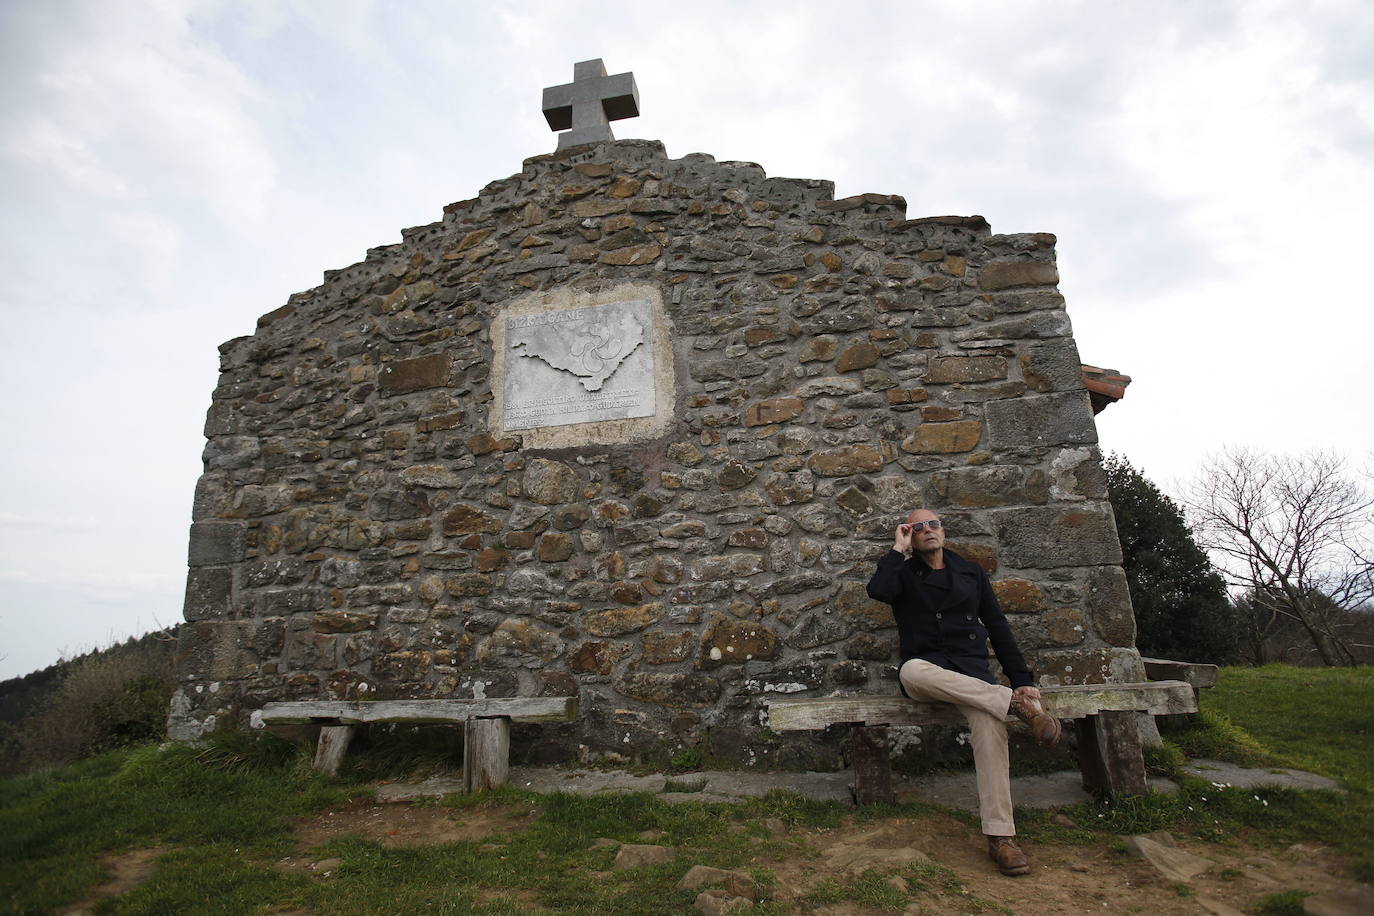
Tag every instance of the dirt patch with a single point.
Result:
(407, 825)
(1063, 879)
(941, 859)
(127, 871)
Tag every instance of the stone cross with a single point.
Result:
(589, 103)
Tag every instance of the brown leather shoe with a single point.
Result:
(1010, 859)
(1044, 727)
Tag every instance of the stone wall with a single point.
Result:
(365, 527)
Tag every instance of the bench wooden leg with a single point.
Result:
(867, 750)
(486, 753)
(329, 752)
(1109, 754)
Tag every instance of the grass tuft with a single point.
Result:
(1285, 903)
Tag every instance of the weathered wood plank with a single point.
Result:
(344, 712)
(1109, 754)
(1156, 697)
(869, 755)
(486, 753)
(1198, 674)
(329, 753)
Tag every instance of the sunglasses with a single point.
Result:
(933, 524)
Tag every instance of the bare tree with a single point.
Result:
(1294, 533)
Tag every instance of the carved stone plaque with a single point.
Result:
(579, 365)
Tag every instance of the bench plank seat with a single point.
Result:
(486, 726)
(419, 712)
(1109, 751)
(1074, 702)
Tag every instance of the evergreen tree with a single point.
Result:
(1181, 608)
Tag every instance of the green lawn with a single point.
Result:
(224, 817)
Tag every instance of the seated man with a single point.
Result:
(946, 613)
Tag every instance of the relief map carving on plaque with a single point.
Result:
(579, 365)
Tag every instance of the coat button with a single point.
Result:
(939, 616)
(970, 636)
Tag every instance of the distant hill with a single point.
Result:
(21, 697)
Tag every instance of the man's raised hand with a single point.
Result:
(902, 541)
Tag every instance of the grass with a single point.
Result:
(55, 825)
(223, 815)
(1321, 721)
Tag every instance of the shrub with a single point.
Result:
(106, 700)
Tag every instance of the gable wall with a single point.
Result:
(363, 530)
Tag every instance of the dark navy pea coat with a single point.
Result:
(950, 627)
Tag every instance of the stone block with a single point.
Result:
(850, 459)
(229, 453)
(949, 369)
(216, 544)
(1065, 418)
(1052, 366)
(468, 585)
(310, 651)
(596, 657)
(789, 489)
(869, 647)
(774, 410)
(465, 519)
(1090, 666)
(858, 610)
(1008, 274)
(1108, 603)
(818, 349)
(520, 644)
(227, 649)
(944, 438)
(983, 554)
(987, 486)
(730, 641)
(416, 374)
(859, 356)
(828, 385)
(735, 474)
(1078, 474)
(209, 593)
(343, 621)
(673, 690)
(555, 547)
(550, 482)
(1062, 627)
(1019, 596)
(1046, 537)
(390, 504)
(622, 620)
(668, 648)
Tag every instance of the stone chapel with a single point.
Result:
(635, 429)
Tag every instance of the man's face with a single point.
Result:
(926, 538)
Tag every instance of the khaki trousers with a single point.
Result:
(985, 707)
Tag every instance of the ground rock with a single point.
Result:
(718, 901)
(737, 883)
(1174, 864)
(634, 855)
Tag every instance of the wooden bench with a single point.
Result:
(1104, 715)
(1199, 677)
(486, 726)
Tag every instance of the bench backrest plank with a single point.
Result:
(1074, 702)
(418, 712)
(1197, 674)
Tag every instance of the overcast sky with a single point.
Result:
(171, 170)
